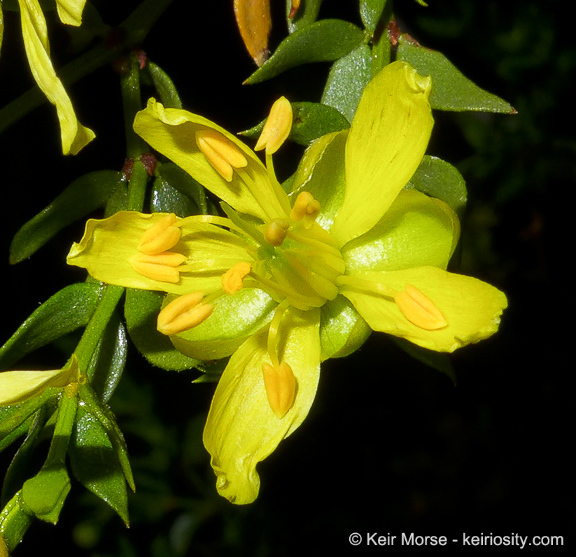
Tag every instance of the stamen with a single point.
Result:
(233, 278)
(419, 309)
(161, 236)
(220, 152)
(277, 127)
(305, 208)
(161, 267)
(183, 313)
(276, 231)
(280, 384)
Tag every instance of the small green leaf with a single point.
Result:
(441, 180)
(306, 15)
(371, 12)
(451, 90)
(95, 465)
(310, 121)
(64, 312)
(44, 494)
(346, 81)
(141, 311)
(81, 197)
(172, 177)
(92, 404)
(323, 41)
(109, 360)
(164, 85)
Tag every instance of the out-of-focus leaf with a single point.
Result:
(304, 14)
(141, 311)
(440, 179)
(323, 41)
(310, 121)
(174, 177)
(346, 81)
(451, 90)
(109, 360)
(440, 361)
(164, 85)
(254, 21)
(63, 313)
(370, 12)
(81, 197)
(95, 465)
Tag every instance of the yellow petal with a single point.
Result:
(248, 188)
(70, 11)
(387, 140)
(470, 307)
(242, 429)
(19, 386)
(74, 135)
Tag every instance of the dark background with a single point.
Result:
(390, 446)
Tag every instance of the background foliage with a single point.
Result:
(389, 446)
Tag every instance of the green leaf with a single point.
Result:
(172, 176)
(323, 41)
(141, 311)
(371, 12)
(95, 465)
(81, 197)
(346, 81)
(109, 360)
(310, 121)
(451, 90)
(64, 312)
(44, 494)
(92, 404)
(441, 180)
(164, 85)
(306, 15)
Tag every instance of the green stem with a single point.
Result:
(133, 31)
(14, 523)
(132, 103)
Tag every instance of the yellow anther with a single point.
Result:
(220, 152)
(305, 208)
(419, 309)
(280, 385)
(161, 236)
(161, 267)
(233, 278)
(276, 231)
(277, 127)
(183, 313)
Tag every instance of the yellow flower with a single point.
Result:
(18, 386)
(34, 31)
(288, 280)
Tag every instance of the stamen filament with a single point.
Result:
(273, 329)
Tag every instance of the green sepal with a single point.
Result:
(141, 311)
(95, 465)
(371, 12)
(61, 314)
(81, 197)
(437, 178)
(164, 85)
(306, 15)
(346, 81)
(108, 422)
(323, 41)
(109, 359)
(310, 121)
(342, 329)
(176, 191)
(440, 361)
(451, 90)
(44, 494)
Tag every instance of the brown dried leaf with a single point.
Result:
(254, 21)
